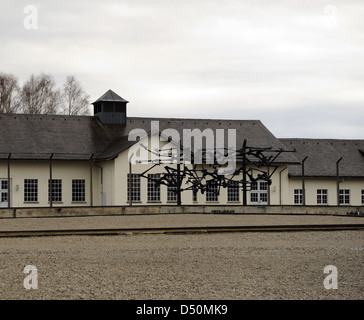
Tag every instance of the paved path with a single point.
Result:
(170, 220)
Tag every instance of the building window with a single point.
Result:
(211, 191)
(4, 191)
(254, 197)
(30, 190)
(259, 185)
(264, 185)
(259, 192)
(78, 190)
(56, 190)
(172, 194)
(233, 191)
(298, 196)
(135, 187)
(154, 193)
(362, 197)
(172, 180)
(194, 194)
(321, 196)
(264, 197)
(344, 196)
(4, 184)
(108, 107)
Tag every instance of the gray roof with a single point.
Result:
(79, 137)
(38, 136)
(110, 96)
(324, 153)
(253, 131)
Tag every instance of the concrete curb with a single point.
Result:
(173, 209)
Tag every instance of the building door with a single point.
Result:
(259, 193)
(3, 193)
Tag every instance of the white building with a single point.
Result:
(86, 158)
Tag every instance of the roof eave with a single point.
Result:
(325, 177)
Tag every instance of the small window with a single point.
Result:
(78, 190)
(362, 197)
(4, 185)
(172, 194)
(263, 197)
(344, 196)
(172, 182)
(153, 187)
(263, 185)
(298, 196)
(254, 197)
(56, 190)
(321, 196)
(108, 107)
(4, 197)
(211, 191)
(135, 187)
(233, 191)
(194, 194)
(259, 192)
(97, 109)
(30, 190)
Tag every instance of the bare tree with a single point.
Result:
(9, 93)
(39, 95)
(75, 100)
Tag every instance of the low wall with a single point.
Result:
(165, 209)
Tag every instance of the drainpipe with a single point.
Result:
(179, 201)
(338, 181)
(268, 196)
(50, 181)
(280, 185)
(130, 185)
(9, 189)
(91, 187)
(303, 182)
(130, 181)
(102, 179)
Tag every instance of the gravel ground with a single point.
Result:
(279, 265)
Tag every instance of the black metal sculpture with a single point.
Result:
(252, 164)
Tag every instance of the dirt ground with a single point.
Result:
(237, 266)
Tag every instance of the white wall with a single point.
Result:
(64, 170)
(312, 184)
(114, 184)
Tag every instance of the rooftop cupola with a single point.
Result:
(110, 108)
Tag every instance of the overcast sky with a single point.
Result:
(298, 66)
